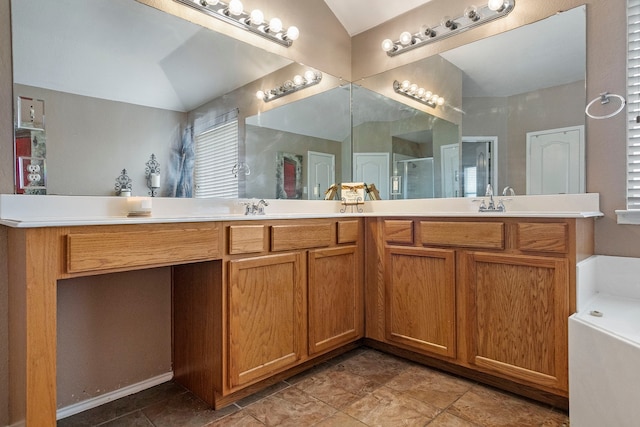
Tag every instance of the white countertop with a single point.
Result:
(27, 211)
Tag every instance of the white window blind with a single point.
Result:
(216, 155)
(633, 104)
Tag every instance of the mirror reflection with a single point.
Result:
(120, 88)
(513, 117)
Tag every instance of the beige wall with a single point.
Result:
(327, 48)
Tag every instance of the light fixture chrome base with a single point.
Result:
(290, 86)
(451, 26)
(241, 21)
(428, 100)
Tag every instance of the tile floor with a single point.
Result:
(361, 388)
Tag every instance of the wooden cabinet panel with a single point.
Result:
(289, 237)
(420, 294)
(348, 231)
(130, 249)
(266, 316)
(335, 298)
(518, 322)
(398, 231)
(543, 237)
(489, 235)
(246, 239)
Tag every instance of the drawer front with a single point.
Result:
(398, 231)
(130, 249)
(487, 235)
(246, 239)
(287, 237)
(348, 231)
(543, 237)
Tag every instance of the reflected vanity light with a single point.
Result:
(417, 93)
(298, 82)
(471, 17)
(233, 13)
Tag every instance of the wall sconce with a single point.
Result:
(123, 184)
(255, 22)
(152, 172)
(416, 93)
(471, 17)
(299, 82)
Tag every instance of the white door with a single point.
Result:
(372, 168)
(450, 169)
(321, 174)
(555, 161)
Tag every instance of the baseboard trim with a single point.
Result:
(76, 408)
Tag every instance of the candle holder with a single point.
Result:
(123, 184)
(152, 172)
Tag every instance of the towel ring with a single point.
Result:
(604, 99)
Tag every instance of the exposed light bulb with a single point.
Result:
(496, 5)
(406, 38)
(309, 76)
(449, 23)
(275, 25)
(207, 2)
(471, 12)
(292, 33)
(405, 85)
(413, 88)
(420, 92)
(298, 80)
(256, 17)
(388, 45)
(235, 7)
(434, 98)
(260, 95)
(440, 101)
(427, 95)
(426, 32)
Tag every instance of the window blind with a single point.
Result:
(216, 155)
(633, 104)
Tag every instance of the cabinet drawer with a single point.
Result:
(543, 237)
(246, 239)
(127, 249)
(348, 231)
(398, 231)
(287, 237)
(488, 235)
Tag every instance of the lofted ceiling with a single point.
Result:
(357, 16)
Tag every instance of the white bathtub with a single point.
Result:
(604, 344)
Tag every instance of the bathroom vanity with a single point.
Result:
(257, 299)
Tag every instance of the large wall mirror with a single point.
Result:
(513, 116)
(120, 81)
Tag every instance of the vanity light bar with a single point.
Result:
(233, 13)
(298, 82)
(416, 93)
(471, 17)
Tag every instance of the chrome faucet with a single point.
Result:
(508, 191)
(491, 207)
(255, 208)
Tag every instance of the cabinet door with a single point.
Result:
(266, 316)
(335, 298)
(518, 317)
(420, 299)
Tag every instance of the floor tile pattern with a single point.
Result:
(363, 388)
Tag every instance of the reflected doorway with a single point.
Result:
(373, 168)
(478, 166)
(321, 174)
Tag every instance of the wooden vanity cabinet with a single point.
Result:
(290, 293)
(488, 298)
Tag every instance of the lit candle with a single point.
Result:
(155, 180)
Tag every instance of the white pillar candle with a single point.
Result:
(155, 180)
(125, 192)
